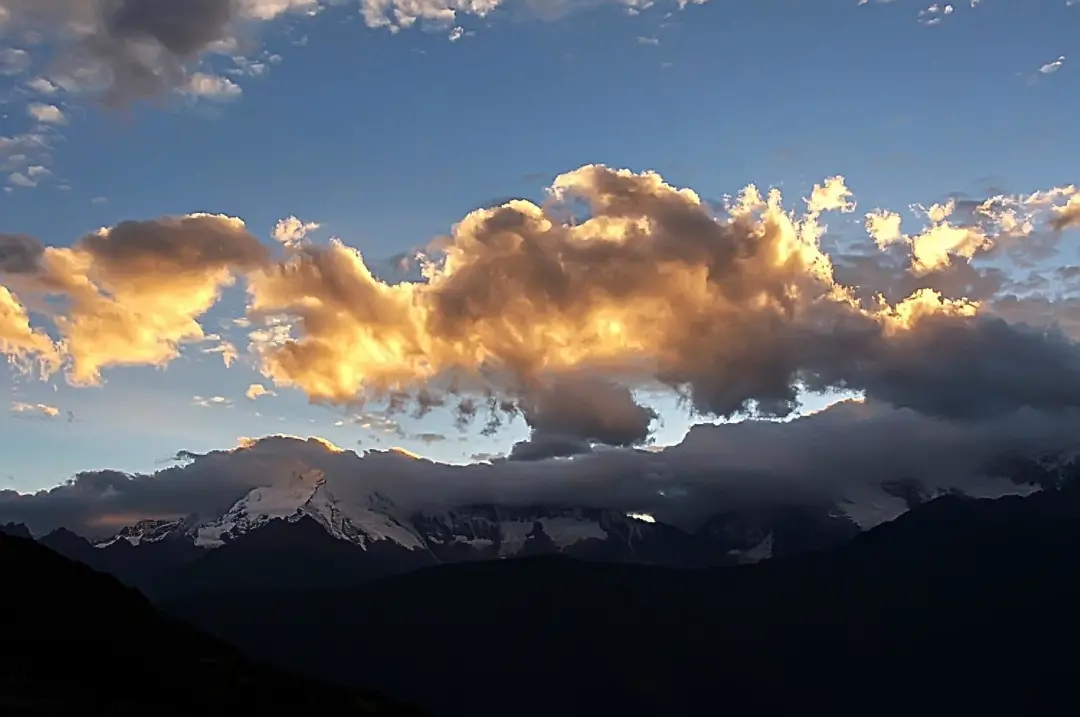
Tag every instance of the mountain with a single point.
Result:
(960, 604)
(304, 533)
(320, 533)
(78, 642)
(17, 530)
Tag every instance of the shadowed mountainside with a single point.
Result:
(78, 642)
(962, 602)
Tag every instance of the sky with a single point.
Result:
(215, 223)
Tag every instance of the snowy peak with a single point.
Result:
(259, 507)
(145, 531)
(371, 521)
(498, 531)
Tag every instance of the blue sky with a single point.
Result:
(386, 139)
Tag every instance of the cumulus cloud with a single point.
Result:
(291, 232)
(845, 453)
(735, 312)
(557, 311)
(256, 391)
(132, 293)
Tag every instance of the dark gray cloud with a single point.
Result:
(546, 445)
(964, 369)
(590, 409)
(19, 253)
(844, 453)
(132, 49)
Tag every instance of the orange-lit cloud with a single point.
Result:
(652, 286)
(19, 342)
(133, 293)
(525, 309)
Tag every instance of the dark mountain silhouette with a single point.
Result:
(17, 530)
(959, 605)
(138, 566)
(284, 553)
(76, 641)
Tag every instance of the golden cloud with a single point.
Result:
(735, 310)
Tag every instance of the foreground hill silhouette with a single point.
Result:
(959, 604)
(77, 642)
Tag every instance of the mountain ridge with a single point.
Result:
(961, 602)
(53, 661)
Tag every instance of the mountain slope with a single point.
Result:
(78, 642)
(962, 603)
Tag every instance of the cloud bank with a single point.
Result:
(845, 454)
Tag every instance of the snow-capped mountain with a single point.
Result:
(313, 530)
(484, 532)
(144, 532)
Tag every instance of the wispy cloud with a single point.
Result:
(212, 401)
(40, 410)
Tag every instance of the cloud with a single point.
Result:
(213, 87)
(588, 408)
(1051, 67)
(39, 410)
(133, 292)
(46, 113)
(558, 311)
(128, 49)
(291, 232)
(844, 453)
(1067, 216)
(42, 86)
(736, 313)
(14, 61)
(256, 391)
(935, 13)
(27, 347)
(212, 402)
(125, 50)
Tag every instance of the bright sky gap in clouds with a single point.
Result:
(481, 229)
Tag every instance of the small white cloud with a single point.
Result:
(212, 401)
(18, 179)
(99, 200)
(1051, 67)
(291, 232)
(642, 40)
(212, 87)
(257, 390)
(42, 86)
(46, 113)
